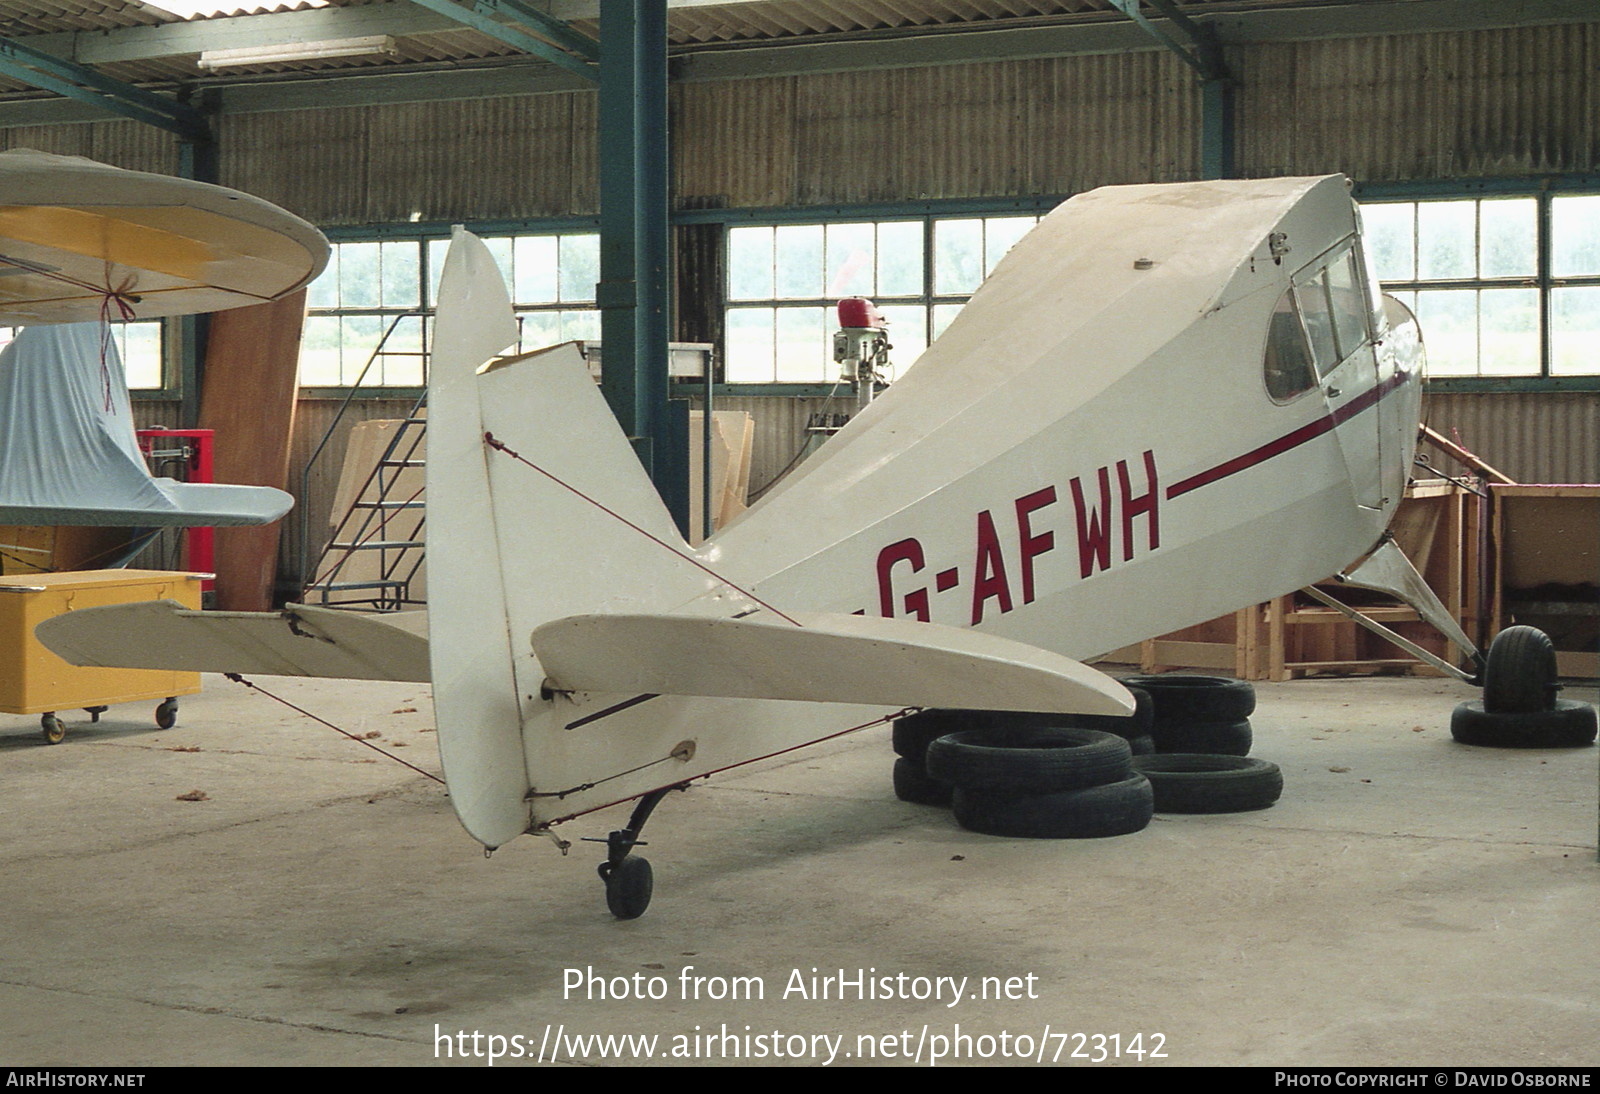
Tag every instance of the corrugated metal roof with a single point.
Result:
(702, 25)
(88, 29)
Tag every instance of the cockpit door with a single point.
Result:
(1333, 305)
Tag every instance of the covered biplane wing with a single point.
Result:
(81, 240)
(69, 454)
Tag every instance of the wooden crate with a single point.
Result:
(1545, 547)
(1437, 525)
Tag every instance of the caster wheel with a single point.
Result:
(628, 887)
(167, 714)
(54, 729)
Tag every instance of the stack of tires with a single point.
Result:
(1204, 714)
(1042, 783)
(1201, 729)
(1058, 776)
(1520, 707)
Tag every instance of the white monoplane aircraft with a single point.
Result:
(1166, 403)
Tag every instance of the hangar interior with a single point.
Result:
(803, 152)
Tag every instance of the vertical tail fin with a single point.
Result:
(556, 519)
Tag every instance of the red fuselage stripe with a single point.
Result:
(1329, 421)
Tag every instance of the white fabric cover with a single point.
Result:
(68, 454)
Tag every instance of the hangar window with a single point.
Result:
(784, 280)
(141, 347)
(1502, 286)
(370, 313)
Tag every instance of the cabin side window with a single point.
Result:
(1311, 296)
(1334, 307)
(1349, 304)
(1288, 365)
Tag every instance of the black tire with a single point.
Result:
(912, 734)
(53, 728)
(1042, 761)
(1128, 727)
(1208, 738)
(1519, 675)
(1114, 809)
(912, 784)
(1193, 783)
(167, 714)
(1180, 698)
(629, 886)
(1570, 725)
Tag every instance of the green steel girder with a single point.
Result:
(479, 15)
(1197, 46)
(635, 289)
(562, 34)
(74, 81)
(1200, 49)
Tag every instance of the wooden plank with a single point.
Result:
(248, 397)
(1195, 655)
(1578, 664)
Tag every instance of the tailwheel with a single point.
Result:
(55, 730)
(629, 879)
(167, 714)
(628, 886)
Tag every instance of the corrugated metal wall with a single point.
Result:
(1422, 106)
(1425, 106)
(508, 158)
(1418, 106)
(974, 130)
(129, 144)
(1534, 438)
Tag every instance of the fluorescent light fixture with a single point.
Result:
(188, 9)
(373, 45)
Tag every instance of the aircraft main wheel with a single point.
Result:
(912, 784)
(167, 714)
(1519, 675)
(1570, 725)
(1115, 809)
(1194, 783)
(629, 885)
(1043, 761)
(55, 730)
(1181, 698)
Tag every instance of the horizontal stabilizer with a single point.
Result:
(827, 658)
(301, 641)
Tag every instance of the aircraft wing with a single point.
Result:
(299, 641)
(70, 229)
(820, 658)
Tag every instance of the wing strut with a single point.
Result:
(1386, 569)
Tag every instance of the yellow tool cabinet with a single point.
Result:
(35, 681)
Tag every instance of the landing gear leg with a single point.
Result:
(629, 879)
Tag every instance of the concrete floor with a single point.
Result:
(1409, 901)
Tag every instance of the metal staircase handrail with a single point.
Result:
(338, 417)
